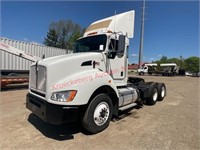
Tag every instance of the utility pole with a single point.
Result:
(141, 36)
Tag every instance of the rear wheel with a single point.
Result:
(153, 94)
(161, 91)
(98, 114)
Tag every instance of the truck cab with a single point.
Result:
(92, 84)
(147, 69)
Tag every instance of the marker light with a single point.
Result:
(93, 33)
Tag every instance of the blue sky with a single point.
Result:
(171, 27)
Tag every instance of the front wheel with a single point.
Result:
(98, 114)
(141, 73)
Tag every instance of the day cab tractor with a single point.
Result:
(92, 84)
(147, 68)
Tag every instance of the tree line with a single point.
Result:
(63, 34)
(190, 64)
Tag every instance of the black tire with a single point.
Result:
(88, 120)
(141, 73)
(153, 94)
(161, 91)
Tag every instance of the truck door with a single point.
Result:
(145, 69)
(118, 64)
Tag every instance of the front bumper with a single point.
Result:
(51, 113)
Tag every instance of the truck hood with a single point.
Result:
(63, 67)
(69, 58)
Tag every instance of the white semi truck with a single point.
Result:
(91, 84)
(145, 69)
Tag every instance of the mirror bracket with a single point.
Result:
(112, 55)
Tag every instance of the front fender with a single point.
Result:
(85, 83)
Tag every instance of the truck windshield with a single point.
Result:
(89, 44)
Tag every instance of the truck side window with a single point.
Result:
(113, 45)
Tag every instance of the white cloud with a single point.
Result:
(144, 57)
(159, 55)
(134, 55)
(33, 42)
(152, 58)
(25, 39)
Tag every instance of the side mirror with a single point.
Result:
(121, 45)
(101, 47)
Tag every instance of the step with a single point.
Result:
(127, 106)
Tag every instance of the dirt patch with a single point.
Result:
(170, 124)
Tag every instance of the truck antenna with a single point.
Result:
(115, 20)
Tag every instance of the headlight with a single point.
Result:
(64, 96)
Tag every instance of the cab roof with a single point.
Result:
(123, 23)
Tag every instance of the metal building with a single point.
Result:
(12, 62)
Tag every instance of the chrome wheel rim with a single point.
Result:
(155, 95)
(163, 91)
(101, 113)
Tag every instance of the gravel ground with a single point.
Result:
(171, 124)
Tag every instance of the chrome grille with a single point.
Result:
(33, 77)
(38, 78)
(41, 78)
